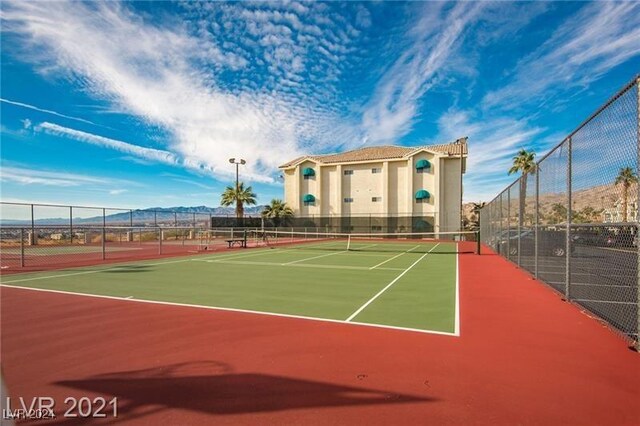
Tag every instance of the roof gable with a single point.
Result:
(385, 152)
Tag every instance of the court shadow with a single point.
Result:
(145, 392)
(128, 269)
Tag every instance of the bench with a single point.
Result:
(242, 242)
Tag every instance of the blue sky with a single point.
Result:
(141, 104)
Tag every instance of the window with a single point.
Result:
(348, 200)
(348, 172)
(376, 228)
(376, 170)
(422, 200)
(309, 203)
(423, 170)
(376, 199)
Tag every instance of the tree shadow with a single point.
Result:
(219, 391)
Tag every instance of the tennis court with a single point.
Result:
(409, 284)
(314, 331)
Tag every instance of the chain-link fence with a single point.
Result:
(573, 221)
(61, 246)
(34, 215)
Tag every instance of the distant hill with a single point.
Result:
(151, 215)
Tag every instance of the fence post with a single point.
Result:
(33, 239)
(160, 240)
(521, 183)
(499, 239)
(71, 224)
(537, 224)
(22, 247)
(131, 218)
(638, 212)
(567, 254)
(508, 223)
(104, 243)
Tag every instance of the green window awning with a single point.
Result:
(308, 171)
(422, 194)
(308, 198)
(423, 164)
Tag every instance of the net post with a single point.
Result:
(104, 243)
(349, 242)
(160, 240)
(22, 247)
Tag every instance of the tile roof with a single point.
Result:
(386, 152)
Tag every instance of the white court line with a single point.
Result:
(246, 311)
(361, 308)
(325, 255)
(388, 260)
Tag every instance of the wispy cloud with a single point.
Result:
(173, 76)
(29, 176)
(599, 37)
(142, 153)
(194, 183)
(117, 191)
(150, 154)
(437, 35)
(492, 145)
(48, 111)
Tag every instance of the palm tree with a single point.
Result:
(276, 211)
(523, 162)
(240, 196)
(626, 178)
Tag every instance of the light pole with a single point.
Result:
(237, 163)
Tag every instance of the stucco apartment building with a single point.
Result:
(424, 183)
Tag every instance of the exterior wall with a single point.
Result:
(449, 212)
(290, 194)
(362, 185)
(309, 186)
(329, 196)
(427, 181)
(397, 187)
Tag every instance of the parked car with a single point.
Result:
(599, 239)
(550, 243)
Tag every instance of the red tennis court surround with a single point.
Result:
(523, 357)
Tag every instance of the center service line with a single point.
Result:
(390, 284)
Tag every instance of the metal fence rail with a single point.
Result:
(84, 245)
(573, 221)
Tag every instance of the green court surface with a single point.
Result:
(50, 250)
(413, 286)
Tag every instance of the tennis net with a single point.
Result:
(417, 242)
